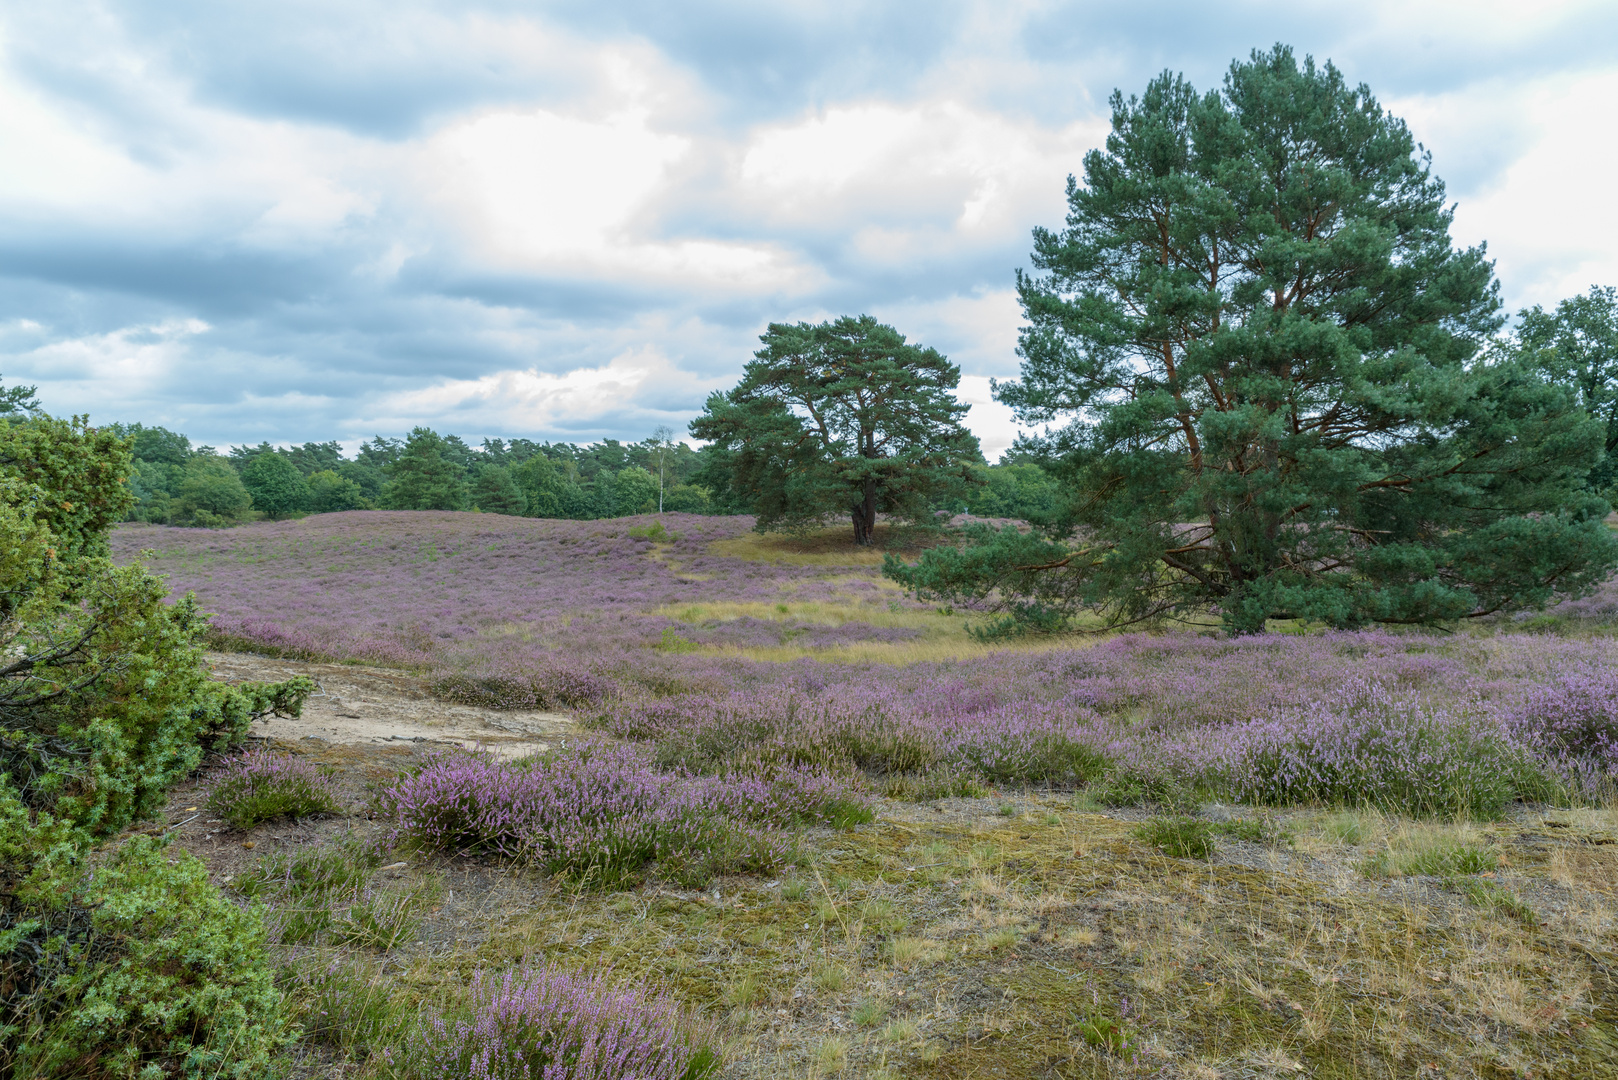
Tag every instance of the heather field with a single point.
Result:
(806, 826)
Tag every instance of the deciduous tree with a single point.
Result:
(330, 492)
(211, 493)
(276, 485)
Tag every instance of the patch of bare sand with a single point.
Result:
(375, 706)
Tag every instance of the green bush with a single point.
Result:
(79, 470)
(275, 484)
(130, 966)
(114, 704)
(329, 492)
(137, 969)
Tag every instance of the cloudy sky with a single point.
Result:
(316, 219)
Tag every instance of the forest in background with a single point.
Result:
(177, 483)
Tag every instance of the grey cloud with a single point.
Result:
(388, 69)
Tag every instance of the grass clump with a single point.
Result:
(1178, 837)
(746, 991)
(262, 786)
(830, 977)
(869, 1013)
(1259, 830)
(906, 951)
(1433, 851)
(1491, 897)
(345, 1002)
(344, 865)
(933, 784)
(655, 531)
(383, 919)
(1105, 1032)
(672, 642)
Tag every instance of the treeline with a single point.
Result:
(174, 482)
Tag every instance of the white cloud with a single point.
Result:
(636, 382)
(543, 192)
(992, 422)
(1548, 219)
(909, 178)
(123, 374)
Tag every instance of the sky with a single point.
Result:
(571, 221)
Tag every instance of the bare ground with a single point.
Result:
(367, 705)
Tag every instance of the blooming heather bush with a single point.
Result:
(781, 796)
(600, 812)
(552, 683)
(1366, 748)
(1572, 725)
(261, 786)
(539, 1022)
(1020, 744)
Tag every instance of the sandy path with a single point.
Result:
(368, 706)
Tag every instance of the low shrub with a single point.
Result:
(556, 684)
(542, 1022)
(138, 969)
(1369, 748)
(262, 786)
(1572, 726)
(601, 812)
(1023, 753)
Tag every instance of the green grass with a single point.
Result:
(1179, 837)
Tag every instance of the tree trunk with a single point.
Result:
(864, 515)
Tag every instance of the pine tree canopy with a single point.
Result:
(843, 417)
(1267, 383)
(423, 478)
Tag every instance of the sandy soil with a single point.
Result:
(369, 706)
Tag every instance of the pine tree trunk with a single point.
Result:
(864, 515)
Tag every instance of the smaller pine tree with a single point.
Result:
(422, 478)
(497, 493)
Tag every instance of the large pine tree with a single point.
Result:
(1270, 371)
